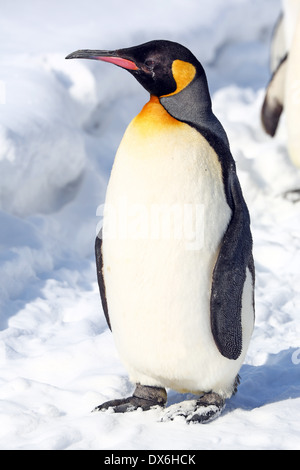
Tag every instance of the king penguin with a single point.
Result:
(282, 92)
(180, 303)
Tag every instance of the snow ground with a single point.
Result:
(60, 124)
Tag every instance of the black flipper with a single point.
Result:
(99, 265)
(236, 247)
(229, 275)
(274, 99)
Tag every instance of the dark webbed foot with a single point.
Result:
(202, 410)
(207, 408)
(144, 397)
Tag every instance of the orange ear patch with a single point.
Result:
(183, 73)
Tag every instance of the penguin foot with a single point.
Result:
(144, 397)
(203, 410)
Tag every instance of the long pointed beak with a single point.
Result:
(105, 56)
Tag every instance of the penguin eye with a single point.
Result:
(149, 63)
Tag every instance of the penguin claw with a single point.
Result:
(126, 405)
(117, 406)
(202, 410)
(205, 414)
(144, 397)
(198, 414)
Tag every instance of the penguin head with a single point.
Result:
(163, 68)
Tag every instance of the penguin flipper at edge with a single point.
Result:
(234, 258)
(101, 284)
(274, 99)
(278, 47)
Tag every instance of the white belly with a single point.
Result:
(158, 274)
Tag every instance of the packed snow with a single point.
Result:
(60, 125)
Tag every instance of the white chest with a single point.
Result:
(167, 185)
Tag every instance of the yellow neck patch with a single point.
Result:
(153, 119)
(183, 73)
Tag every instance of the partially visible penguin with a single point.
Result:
(180, 303)
(283, 91)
